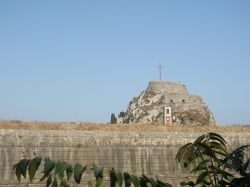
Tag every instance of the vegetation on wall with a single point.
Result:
(207, 157)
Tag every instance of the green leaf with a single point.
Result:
(21, 168)
(200, 167)
(97, 171)
(18, 175)
(241, 182)
(49, 181)
(201, 138)
(69, 171)
(99, 182)
(235, 159)
(127, 179)
(210, 137)
(142, 182)
(48, 167)
(119, 178)
(217, 146)
(216, 170)
(98, 175)
(33, 167)
(219, 138)
(17, 172)
(145, 179)
(183, 150)
(226, 175)
(202, 177)
(205, 149)
(221, 153)
(112, 177)
(135, 180)
(187, 154)
(60, 168)
(78, 171)
(244, 167)
(54, 184)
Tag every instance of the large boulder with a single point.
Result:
(148, 107)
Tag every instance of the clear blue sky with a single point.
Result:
(82, 60)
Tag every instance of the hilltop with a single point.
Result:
(168, 103)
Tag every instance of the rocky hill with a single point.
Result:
(149, 106)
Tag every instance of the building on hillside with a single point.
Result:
(168, 103)
(119, 120)
(167, 116)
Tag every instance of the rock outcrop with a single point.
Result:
(149, 106)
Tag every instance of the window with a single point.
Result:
(183, 100)
(171, 101)
(167, 111)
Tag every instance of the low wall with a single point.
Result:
(134, 152)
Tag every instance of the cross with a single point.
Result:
(160, 68)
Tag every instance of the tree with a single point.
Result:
(122, 114)
(207, 157)
(113, 119)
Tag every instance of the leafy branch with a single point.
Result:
(60, 173)
(208, 158)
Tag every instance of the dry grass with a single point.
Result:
(76, 126)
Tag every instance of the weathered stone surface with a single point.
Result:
(186, 108)
(149, 153)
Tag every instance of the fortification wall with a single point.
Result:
(168, 87)
(135, 152)
(148, 106)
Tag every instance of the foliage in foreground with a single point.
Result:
(207, 157)
(60, 174)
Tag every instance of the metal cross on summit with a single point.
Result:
(160, 68)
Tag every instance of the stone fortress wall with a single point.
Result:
(168, 87)
(174, 93)
(150, 153)
(186, 108)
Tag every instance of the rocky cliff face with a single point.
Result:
(148, 107)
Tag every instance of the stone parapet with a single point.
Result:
(150, 153)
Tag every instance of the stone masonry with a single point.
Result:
(161, 97)
(149, 153)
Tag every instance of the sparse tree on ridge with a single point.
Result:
(113, 119)
(122, 114)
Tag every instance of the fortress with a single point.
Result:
(166, 103)
(149, 153)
